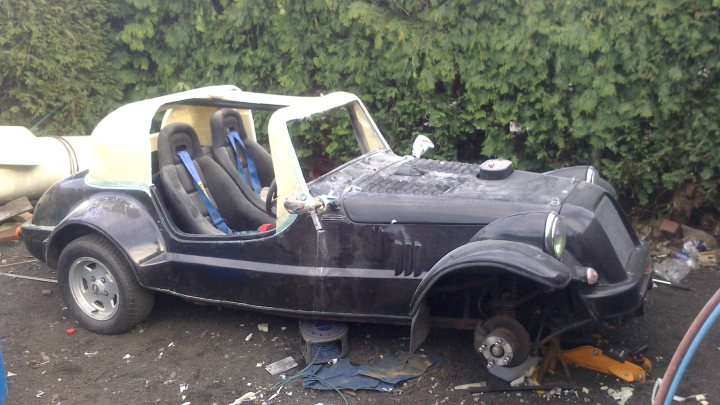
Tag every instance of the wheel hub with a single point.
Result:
(502, 341)
(93, 288)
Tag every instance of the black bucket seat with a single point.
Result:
(191, 213)
(237, 165)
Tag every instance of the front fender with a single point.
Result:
(516, 258)
(580, 173)
(123, 220)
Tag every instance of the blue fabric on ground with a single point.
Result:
(381, 376)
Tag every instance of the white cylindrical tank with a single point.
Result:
(29, 165)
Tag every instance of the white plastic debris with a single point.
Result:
(285, 328)
(263, 327)
(127, 356)
(621, 396)
(250, 396)
(183, 388)
(259, 364)
(281, 366)
(91, 354)
(9, 374)
(248, 337)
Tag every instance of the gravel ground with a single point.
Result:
(204, 349)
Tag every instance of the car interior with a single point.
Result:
(216, 189)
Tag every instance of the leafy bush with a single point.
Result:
(55, 64)
(631, 87)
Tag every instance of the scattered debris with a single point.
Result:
(127, 356)
(697, 397)
(171, 344)
(710, 258)
(621, 396)
(464, 387)
(263, 327)
(283, 328)
(665, 282)
(70, 331)
(91, 354)
(697, 234)
(55, 398)
(46, 292)
(183, 388)
(671, 229)
(15, 207)
(248, 337)
(676, 268)
(381, 376)
(10, 374)
(39, 394)
(47, 280)
(44, 357)
(250, 396)
(281, 366)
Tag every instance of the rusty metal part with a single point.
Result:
(593, 358)
(551, 356)
(503, 341)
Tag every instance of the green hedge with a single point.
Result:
(55, 64)
(631, 87)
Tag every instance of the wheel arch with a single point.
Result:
(486, 257)
(123, 222)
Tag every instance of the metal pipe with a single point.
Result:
(29, 165)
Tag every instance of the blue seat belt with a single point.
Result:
(217, 219)
(235, 140)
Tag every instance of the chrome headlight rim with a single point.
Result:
(554, 235)
(591, 175)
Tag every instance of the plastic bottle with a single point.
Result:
(673, 270)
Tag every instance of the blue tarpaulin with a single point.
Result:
(381, 376)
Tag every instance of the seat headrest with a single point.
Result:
(174, 138)
(222, 122)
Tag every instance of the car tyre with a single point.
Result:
(99, 287)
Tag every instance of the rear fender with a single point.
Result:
(501, 256)
(123, 220)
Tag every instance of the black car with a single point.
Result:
(193, 211)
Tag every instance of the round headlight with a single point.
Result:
(554, 235)
(591, 175)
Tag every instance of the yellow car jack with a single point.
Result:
(630, 367)
(600, 357)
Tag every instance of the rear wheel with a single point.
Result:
(99, 288)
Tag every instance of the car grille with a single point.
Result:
(615, 229)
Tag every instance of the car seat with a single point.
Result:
(222, 123)
(192, 214)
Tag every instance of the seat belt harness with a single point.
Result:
(217, 219)
(254, 180)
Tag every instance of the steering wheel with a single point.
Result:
(271, 200)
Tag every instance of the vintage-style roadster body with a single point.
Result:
(190, 210)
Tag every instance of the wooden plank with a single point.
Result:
(15, 207)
